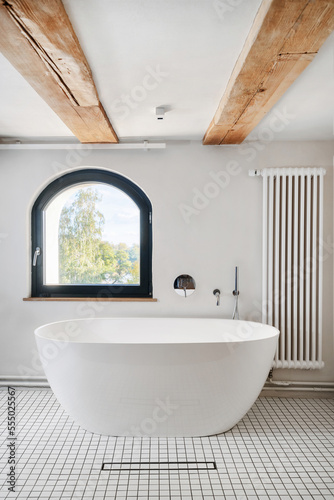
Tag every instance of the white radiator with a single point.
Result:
(292, 263)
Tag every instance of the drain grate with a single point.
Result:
(158, 466)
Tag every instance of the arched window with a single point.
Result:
(92, 237)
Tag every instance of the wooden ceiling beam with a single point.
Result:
(285, 37)
(38, 39)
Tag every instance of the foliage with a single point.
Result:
(83, 256)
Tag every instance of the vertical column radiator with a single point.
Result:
(292, 263)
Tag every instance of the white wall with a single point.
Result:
(224, 233)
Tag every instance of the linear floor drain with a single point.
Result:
(158, 466)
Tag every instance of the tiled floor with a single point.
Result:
(283, 448)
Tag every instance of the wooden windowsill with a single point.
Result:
(89, 299)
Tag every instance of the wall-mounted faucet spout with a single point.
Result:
(216, 293)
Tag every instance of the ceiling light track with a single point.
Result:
(125, 145)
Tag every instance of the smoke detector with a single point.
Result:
(160, 113)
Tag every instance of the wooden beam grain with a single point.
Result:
(285, 37)
(39, 41)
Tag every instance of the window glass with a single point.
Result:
(92, 237)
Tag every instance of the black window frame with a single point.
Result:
(144, 289)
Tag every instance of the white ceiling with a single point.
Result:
(193, 46)
(22, 112)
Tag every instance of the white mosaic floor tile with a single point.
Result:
(283, 448)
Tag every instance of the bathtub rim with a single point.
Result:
(271, 331)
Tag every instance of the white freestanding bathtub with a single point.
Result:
(156, 376)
